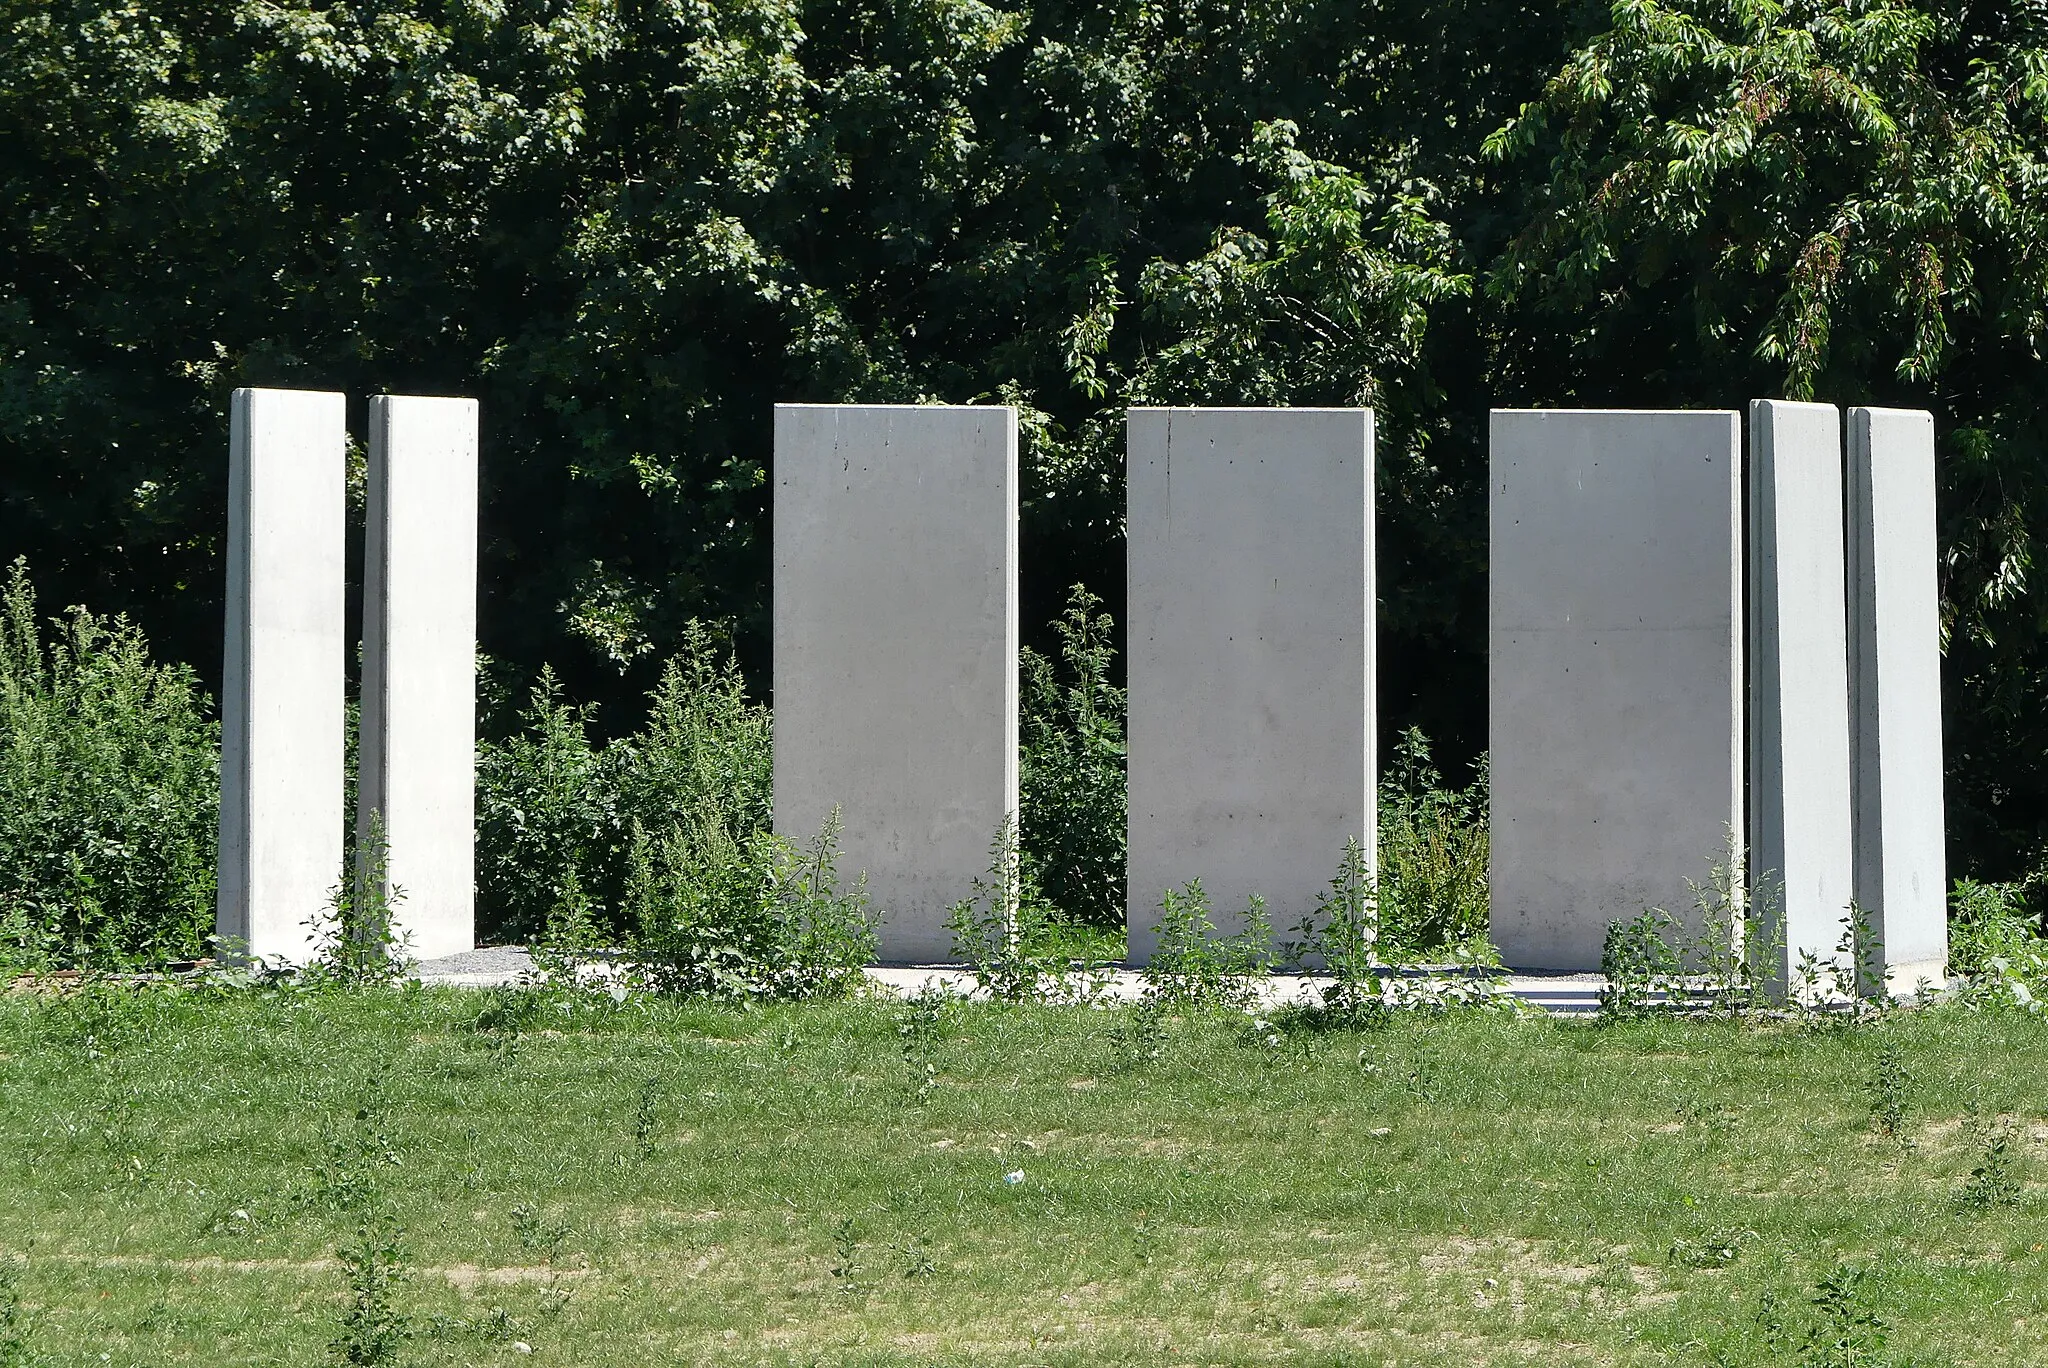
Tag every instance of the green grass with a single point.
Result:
(666, 1183)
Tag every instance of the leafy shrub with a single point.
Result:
(1193, 966)
(1004, 931)
(1432, 855)
(546, 816)
(109, 792)
(748, 918)
(1072, 779)
(1994, 949)
(557, 814)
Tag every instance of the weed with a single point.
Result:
(373, 1329)
(999, 931)
(916, 1254)
(1994, 949)
(1850, 1333)
(1889, 1086)
(537, 1233)
(1859, 973)
(1710, 1249)
(569, 941)
(746, 920)
(919, 1027)
(1433, 843)
(351, 1178)
(552, 805)
(1071, 781)
(358, 941)
(846, 1267)
(1138, 1033)
(507, 1011)
(1192, 966)
(646, 1116)
(1995, 1181)
(1639, 964)
(1342, 938)
(14, 1348)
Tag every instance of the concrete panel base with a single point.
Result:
(417, 778)
(1251, 656)
(1799, 836)
(1614, 680)
(281, 693)
(1895, 687)
(896, 648)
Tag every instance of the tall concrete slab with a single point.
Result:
(1251, 736)
(1799, 809)
(281, 695)
(1895, 688)
(1614, 673)
(417, 769)
(895, 643)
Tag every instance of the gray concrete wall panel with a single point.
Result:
(418, 753)
(1251, 626)
(281, 693)
(1895, 671)
(895, 644)
(1614, 675)
(1799, 810)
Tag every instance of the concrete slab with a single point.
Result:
(1614, 681)
(1799, 821)
(418, 756)
(282, 682)
(895, 645)
(1895, 676)
(1250, 625)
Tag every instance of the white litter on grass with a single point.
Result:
(1014, 1177)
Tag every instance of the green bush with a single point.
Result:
(748, 918)
(1995, 949)
(1072, 785)
(557, 813)
(1433, 855)
(109, 792)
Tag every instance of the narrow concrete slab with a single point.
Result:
(1799, 818)
(896, 642)
(282, 680)
(1895, 654)
(1251, 735)
(417, 779)
(1614, 679)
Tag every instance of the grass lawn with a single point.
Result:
(665, 1183)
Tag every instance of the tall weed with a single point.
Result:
(744, 919)
(109, 793)
(558, 813)
(1432, 855)
(1072, 782)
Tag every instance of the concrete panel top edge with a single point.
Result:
(241, 390)
(429, 398)
(910, 408)
(1755, 404)
(1246, 408)
(1878, 411)
(1630, 413)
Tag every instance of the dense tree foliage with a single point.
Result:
(630, 226)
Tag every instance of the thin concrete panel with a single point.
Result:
(1614, 671)
(1251, 739)
(417, 777)
(1895, 678)
(1799, 818)
(281, 695)
(896, 648)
